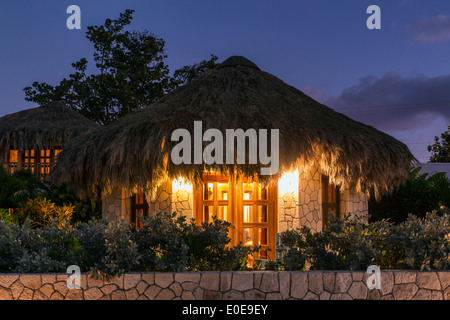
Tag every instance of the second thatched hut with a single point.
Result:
(32, 139)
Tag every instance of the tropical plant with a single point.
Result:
(18, 187)
(420, 194)
(42, 212)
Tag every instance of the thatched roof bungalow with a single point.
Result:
(31, 139)
(328, 163)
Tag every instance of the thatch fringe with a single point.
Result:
(135, 150)
(43, 127)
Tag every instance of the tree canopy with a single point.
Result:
(131, 73)
(440, 149)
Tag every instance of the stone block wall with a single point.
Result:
(245, 285)
(310, 196)
(303, 207)
(116, 205)
(169, 199)
(355, 203)
(288, 218)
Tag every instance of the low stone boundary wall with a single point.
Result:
(245, 285)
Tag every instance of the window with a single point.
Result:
(13, 161)
(257, 224)
(139, 208)
(38, 162)
(330, 201)
(215, 200)
(249, 206)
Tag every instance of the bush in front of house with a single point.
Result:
(165, 242)
(168, 242)
(23, 195)
(417, 243)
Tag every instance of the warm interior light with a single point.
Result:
(181, 185)
(13, 155)
(288, 182)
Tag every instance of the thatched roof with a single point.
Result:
(135, 150)
(42, 127)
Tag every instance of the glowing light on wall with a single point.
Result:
(181, 185)
(288, 182)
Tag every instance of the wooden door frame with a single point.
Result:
(236, 207)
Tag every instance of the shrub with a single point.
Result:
(91, 237)
(427, 244)
(417, 243)
(8, 216)
(167, 242)
(160, 241)
(49, 249)
(420, 194)
(11, 246)
(22, 186)
(121, 252)
(41, 212)
(83, 211)
(209, 247)
(19, 187)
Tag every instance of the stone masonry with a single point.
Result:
(116, 205)
(242, 285)
(303, 207)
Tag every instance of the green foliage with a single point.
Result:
(8, 216)
(420, 194)
(121, 252)
(440, 149)
(91, 237)
(209, 247)
(25, 249)
(105, 250)
(19, 191)
(83, 210)
(41, 212)
(168, 242)
(417, 243)
(188, 73)
(18, 187)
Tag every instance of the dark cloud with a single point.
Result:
(433, 29)
(393, 102)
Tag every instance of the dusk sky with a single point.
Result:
(396, 79)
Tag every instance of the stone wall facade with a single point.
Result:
(116, 205)
(354, 203)
(244, 285)
(310, 196)
(299, 206)
(303, 206)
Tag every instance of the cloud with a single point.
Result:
(316, 94)
(431, 30)
(395, 103)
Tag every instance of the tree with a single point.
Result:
(188, 73)
(440, 149)
(420, 194)
(131, 74)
